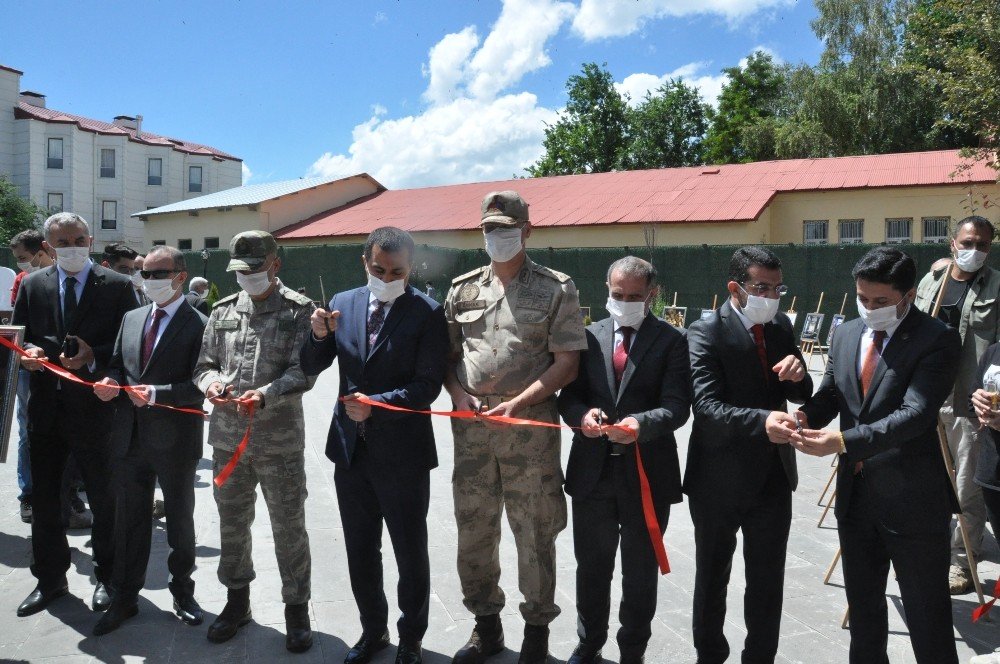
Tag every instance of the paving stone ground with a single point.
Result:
(810, 631)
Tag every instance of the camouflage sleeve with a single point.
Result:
(208, 370)
(566, 332)
(454, 327)
(293, 381)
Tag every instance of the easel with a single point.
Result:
(808, 346)
(824, 349)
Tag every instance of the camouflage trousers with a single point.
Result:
(282, 480)
(519, 468)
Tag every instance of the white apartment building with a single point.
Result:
(103, 171)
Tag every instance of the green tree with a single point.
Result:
(752, 94)
(953, 47)
(668, 128)
(593, 133)
(16, 213)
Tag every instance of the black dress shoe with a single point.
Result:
(585, 654)
(113, 618)
(188, 610)
(39, 599)
(102, 598)
(409, 653)
(366, 647)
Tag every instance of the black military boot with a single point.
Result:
(486, 641)
(234, 615)
(535, 647)
(298, 632)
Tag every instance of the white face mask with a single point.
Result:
(881, 318)
(626, 314)
(254, 283)
(72, 259)
(386, 291)
(502, 244)
(159, 290)
(136, 279)
(970, 260)
(760, 310)
(26, 267)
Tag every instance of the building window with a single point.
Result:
(55, 153)
(936, 229)
(109, 215)
(107, 163)
(154, 172)
(54, 203)
(852, 231)
(159, 243)
(211, 243)
(194, 178)
(898, 230)
(815, 232)
(184, 245)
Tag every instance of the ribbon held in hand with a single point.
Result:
(648, 510)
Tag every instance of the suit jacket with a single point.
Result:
(893, 428)
(405, 367)
(169, 371)
(106, 297)
(979, 325)
(655, 390)
(729, 452)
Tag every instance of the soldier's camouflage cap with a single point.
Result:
(504, 208)
(248, 250)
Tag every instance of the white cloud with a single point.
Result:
(380, 17)
(600, 19)
(247, 173)
(448, 64)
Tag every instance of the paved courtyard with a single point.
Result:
(811, 632)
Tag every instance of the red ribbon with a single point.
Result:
(984, 609)
(224, 474)
(648, 511)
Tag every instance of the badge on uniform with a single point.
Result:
(468, 305)
(468, 292)
(227, 324)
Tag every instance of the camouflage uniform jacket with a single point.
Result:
(505, 337)
(255, 346)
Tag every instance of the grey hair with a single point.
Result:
(633, 266)
(175, 254)
(60, 219)
(197, 281)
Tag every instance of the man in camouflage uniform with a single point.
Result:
(251, 352)
(516, 336)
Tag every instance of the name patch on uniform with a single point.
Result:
(286, 325)
(534, 300)
(470, 304)
(227, 324)
(468, 292)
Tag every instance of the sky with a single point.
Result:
(413, 92)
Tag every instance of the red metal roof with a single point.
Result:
(26, 111)
(738, 192)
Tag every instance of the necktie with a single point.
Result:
(69, 301)
(375, 321)
(150, 339)
(620, 356)
(758, 338)
(871, 360)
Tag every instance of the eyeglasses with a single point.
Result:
(156, 274)
(764, 289)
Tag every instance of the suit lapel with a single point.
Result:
(52, 284)
(851, 349)
(396, 314)
(361, 322)
(133, 336)
(605, 334)
(174, 325)
(643, 339)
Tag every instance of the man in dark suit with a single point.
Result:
(889, 372)
(745, 366)
(71, 313)
(156, 352)
(392, 342)
(636, 374)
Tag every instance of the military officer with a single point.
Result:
(250, 360)
(516, 335)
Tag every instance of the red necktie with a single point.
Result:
(871, 361)
(758, 337)
(620, 356)
(150, 339)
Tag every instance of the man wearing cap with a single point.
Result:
(250, 353)
(516, 335)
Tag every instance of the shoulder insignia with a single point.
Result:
(553, 274)
(468, 275)
(295, 296)
(228, 298)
